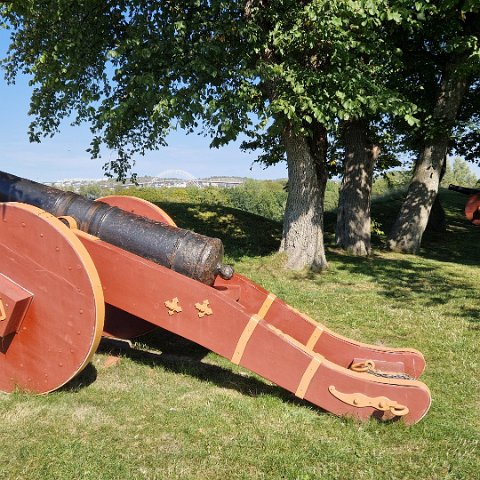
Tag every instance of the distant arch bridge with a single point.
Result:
(177, 174)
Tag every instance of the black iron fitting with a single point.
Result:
(464, 190)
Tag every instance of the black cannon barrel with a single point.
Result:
(196, 256)
(464, 190)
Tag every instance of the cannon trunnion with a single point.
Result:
(57, 275)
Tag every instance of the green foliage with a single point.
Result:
(459, 173)
(331, 195)
(267, 199)
(91, 191)
(143, 68)
(263, 198)
(391, 181)
(376, 228)
(467, 132)
(447, 46)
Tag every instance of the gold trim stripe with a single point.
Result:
(312, 341)
(244, 338)
(266, 305)
(3, 314)
(308, 376)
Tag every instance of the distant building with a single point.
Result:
(76, 184)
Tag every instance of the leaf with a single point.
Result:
(411, 120)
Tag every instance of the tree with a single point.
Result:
(353, 230)
(459, 173)
(283, 72)
(368, 138)
(367, 147)
(466, 136)
(445, 66)
(91, 190)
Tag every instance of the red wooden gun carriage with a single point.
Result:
(472, 207)
(72, 270)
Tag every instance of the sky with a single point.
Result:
(64, 156)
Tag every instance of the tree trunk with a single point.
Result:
(307, 178)
(407, 232)
(353, 214)
(437, 221)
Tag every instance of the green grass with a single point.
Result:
(172, 410)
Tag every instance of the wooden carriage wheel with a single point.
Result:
(118, 323)
(472, 209)
(46, 266)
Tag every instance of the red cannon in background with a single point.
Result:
(472, 207)
(73, 270)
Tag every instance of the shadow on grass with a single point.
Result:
(404, 280)
(85, 378)
(242, 233)
(458, 244)
(178, 355)
(473, 317)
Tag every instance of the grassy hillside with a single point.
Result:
(169, 409)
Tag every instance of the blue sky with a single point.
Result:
(64, 156)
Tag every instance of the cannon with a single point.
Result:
(73, 270)
(472, 207)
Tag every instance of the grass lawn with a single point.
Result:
(169, 409)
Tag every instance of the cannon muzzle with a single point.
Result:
(196, 256)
